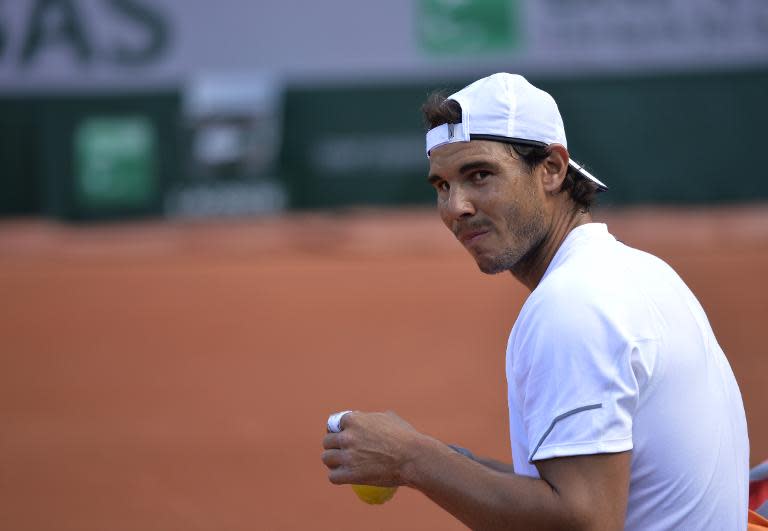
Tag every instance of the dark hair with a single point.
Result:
(439, 110)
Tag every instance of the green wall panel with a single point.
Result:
(685, 138)
(673, 138)
(19, 158)
(42, 165)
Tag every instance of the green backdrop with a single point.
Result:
(88, 156)
(675, 138)
(672, 138)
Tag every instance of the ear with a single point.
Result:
(554, 168)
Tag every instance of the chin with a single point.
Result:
(491, 269)
(491, 266)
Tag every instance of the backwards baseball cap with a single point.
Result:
(506, 108)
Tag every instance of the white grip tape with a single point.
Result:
(334, 421)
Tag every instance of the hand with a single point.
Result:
(371, 449)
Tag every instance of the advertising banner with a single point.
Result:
(53, 44)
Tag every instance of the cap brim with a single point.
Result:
(601, 187)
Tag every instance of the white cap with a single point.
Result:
(506, 108)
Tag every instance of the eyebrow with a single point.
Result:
(465, 168)
(433, 178)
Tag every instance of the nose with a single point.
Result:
(459, 204)
(456, 206)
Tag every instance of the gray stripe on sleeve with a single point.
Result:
(558, 419)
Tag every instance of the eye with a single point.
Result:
(479, 176)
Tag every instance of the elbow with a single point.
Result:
(581, 513)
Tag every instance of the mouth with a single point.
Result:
(472, 236)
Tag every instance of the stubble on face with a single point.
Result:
(527, 231)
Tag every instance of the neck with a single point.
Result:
(531, 268)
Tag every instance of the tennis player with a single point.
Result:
(623, 410)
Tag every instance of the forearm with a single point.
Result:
(481, 496)
(498, 466)
(506, 468)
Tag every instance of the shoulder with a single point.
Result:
(573, 293)
(595, 295)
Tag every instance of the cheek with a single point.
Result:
(442, 211)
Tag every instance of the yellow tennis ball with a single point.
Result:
(374, 495)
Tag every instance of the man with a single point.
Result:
(623, 410)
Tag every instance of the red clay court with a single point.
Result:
(177, 376)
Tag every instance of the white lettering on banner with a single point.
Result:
(357, 154)
(227, 199)
(659, 31)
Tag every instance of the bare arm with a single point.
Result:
(507, 468)
(585, 492)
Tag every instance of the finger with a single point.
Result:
(333, 458)
(340, 476)
(332, 440)
(347, 420)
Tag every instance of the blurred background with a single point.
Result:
(215, 230)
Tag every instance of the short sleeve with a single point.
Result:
(575, 374)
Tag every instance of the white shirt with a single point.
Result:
(612, 352)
